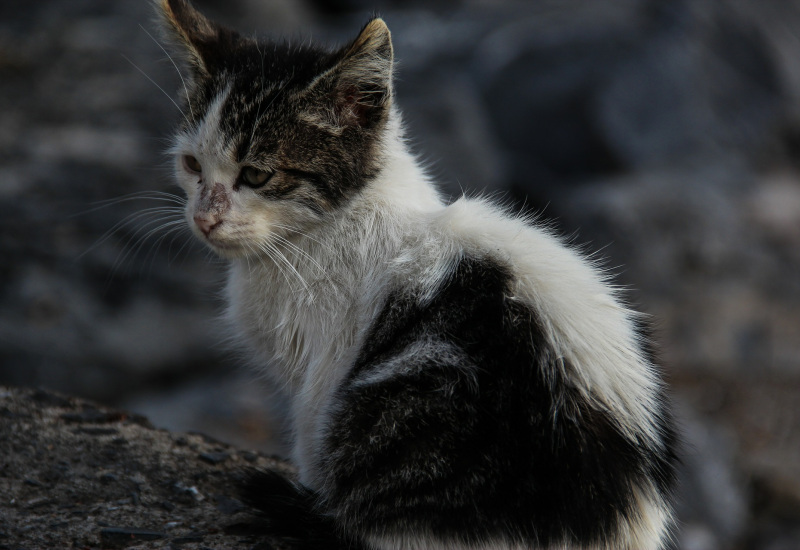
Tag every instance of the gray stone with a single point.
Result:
(60, 486)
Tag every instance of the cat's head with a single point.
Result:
(275, 137)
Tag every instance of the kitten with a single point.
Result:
(457, 377)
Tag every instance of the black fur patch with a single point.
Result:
(291, 514)
(475, 436)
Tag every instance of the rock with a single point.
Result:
(714, 495)
(214, 458)
(126, 536)
(128, 487)
(539, 71)
(702, 85)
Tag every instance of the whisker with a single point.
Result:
(142, 238)
(247, 256)
(185, 88)
(128, 220)
(291, 266)
(152, 250)
(283, 259)
(139, 195)
(302, 234)
(274, 262)
(298, 251)
(150, 217)
(159, 87)
(186, 243)
(173, 230)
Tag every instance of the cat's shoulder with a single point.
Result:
(540, 262)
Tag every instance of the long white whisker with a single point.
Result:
(280, 256)
(167, 227)
(269, 253)
(170, 216)
(186, 242)
(142, 239)
(171, 229)
(298, 251)
(135, 66)
(291, 266)
(127, 220)
(185, 88)
(147, 212)
(247, 256)
(141, 195)
(302, 234)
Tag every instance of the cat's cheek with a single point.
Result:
(189, 185)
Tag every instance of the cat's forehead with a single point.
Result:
(257, 69)
(244, 109)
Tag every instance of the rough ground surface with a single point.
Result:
(77, 475)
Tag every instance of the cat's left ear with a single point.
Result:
(360, 84)
(202, 42)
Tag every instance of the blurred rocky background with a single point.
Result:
(665, 134)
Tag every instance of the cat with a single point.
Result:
(457, 377)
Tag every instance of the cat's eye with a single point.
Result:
(192, 164)
(253, 177)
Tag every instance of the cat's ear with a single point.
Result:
(359, 87)
(202, 42)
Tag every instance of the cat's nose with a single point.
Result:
(206, 222)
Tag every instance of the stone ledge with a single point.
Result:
(74, 474)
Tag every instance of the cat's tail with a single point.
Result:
(290, 513)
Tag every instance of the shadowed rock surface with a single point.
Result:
(77, 475)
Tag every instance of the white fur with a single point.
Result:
(305, 317)
(648, 533)
(423, 542)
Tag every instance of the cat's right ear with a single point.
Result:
(357, 90)
(201, 42)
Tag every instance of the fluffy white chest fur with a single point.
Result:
(305, 319)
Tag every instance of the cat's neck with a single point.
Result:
(402, 183)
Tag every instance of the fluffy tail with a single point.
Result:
(291, 514)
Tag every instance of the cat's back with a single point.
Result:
(479, 396)
(581, 315)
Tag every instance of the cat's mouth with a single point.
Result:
(210, 236)
(224, 248)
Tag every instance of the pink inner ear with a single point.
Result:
(350, 107)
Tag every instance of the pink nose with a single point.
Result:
(206, 222)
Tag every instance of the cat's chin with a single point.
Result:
(228, 251)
